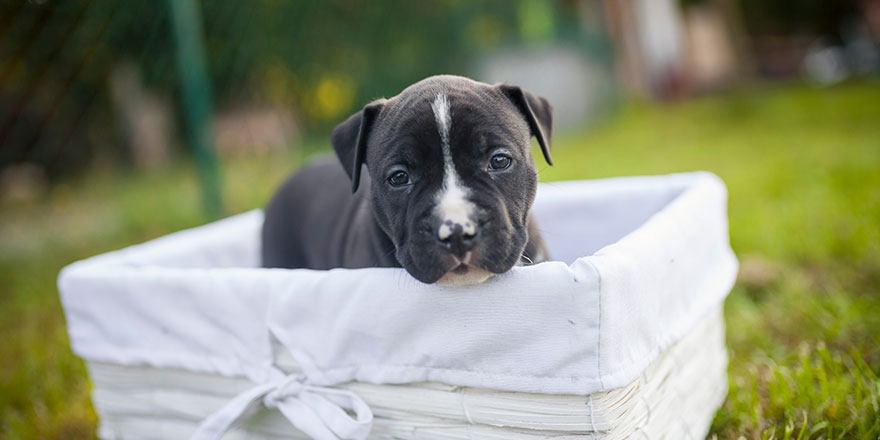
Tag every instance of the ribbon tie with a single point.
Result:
(319, 412)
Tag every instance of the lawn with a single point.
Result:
(803, 169)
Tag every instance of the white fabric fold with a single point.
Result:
(679, 391)
(322, 413)
(637, 263)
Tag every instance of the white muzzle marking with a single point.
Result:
(474, 275)
(453, 207)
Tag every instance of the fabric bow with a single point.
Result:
(319, 412)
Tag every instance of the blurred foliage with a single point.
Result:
(322, 58)
(821, 18)
(803, 322)
(797, 17)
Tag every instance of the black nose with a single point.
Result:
(456, 237)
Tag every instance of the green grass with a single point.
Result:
(803, 169)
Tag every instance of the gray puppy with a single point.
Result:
(449, 184)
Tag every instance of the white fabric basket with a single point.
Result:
(621, 334)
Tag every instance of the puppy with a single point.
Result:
(446, 191)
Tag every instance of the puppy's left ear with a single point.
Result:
(349, 140)
(538, 113)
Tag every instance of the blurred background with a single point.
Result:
(121, 121)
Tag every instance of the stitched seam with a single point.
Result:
(421, 367)
(142, 361)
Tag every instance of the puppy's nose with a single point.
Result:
(457, 237)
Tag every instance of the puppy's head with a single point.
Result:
(452, 177)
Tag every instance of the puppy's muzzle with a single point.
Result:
(458, 237)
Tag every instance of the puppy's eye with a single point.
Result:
(499, 162)
(399, 178)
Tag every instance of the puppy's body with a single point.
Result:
(315, 222)
(447, 195)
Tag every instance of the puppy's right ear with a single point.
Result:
(349, 139)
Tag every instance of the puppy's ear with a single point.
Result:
(538, 113)
(349, 139)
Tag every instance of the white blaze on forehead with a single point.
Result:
(453, 207)
(444, 120)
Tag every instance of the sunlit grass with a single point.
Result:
(803, 169)
(43, 386)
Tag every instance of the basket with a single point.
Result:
(186, 337)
